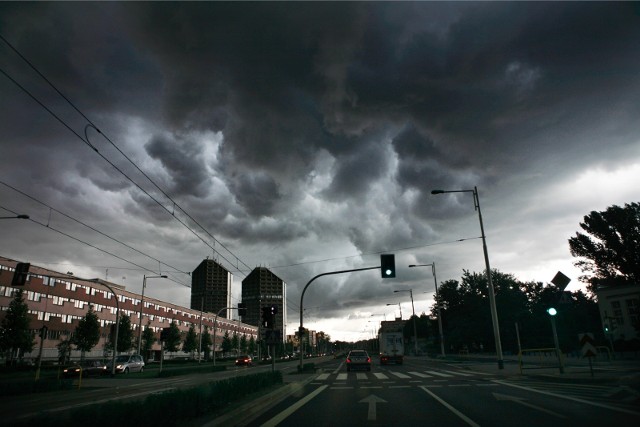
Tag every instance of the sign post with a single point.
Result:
(588, 350)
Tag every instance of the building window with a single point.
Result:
(633, 308)
(617, 312)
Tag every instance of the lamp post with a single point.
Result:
(552, 315)
(492, 297)
(413, 309)
(144, 284)
(21, 216)
(433, 270)
(399, 307)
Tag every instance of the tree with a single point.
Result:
(190, 344)
(235, 341)
(148, 339)
(64, 351)
(611, 250)
(125, 334)
(226, 343)
(206, 343)
(15, 331)
(87, 333)
(173, 338)
(251, 348)
(243, 343)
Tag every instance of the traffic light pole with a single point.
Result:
(301, 330)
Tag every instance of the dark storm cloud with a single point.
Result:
(293, 129)
(184, 161)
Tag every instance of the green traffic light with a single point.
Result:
(552, 311)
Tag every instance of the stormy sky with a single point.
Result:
(307, 137)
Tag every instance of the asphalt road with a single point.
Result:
(432, 393)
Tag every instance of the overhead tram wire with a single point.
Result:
(86, 141)
(92, 246)
(91, 228)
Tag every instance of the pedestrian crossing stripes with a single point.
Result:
(390, 375)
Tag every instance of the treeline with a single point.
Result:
(466, 315)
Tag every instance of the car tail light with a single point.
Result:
(368, 360)
(348, 360)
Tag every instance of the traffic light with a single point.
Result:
(242, 309)
(21, 273)
(387, 265)
(552, 311)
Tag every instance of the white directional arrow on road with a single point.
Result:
(521, 401)
(372, 399)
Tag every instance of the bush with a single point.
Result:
(171, 408)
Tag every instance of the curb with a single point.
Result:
(250, 410)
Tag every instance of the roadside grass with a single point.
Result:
(170, 408)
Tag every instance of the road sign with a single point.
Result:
(586, 341)
(560, 280)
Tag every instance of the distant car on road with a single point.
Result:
(358, 359)
(244, 360)
(128, 363)
(89, 368)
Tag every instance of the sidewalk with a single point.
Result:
(624, 371)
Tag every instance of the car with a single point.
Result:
(358, 359)
(244, 360)
(127, 363)
(87, 367)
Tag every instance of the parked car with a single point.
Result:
(87, 367)
(358, 359)
(128, 363)
(244, 360)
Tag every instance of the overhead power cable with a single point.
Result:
(86, 141)
(90, 227)
(48, 226)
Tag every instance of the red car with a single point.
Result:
(244, 360)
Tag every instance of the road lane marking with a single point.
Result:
(420, 374)
(399, 375)
(361, 376)
(372, 400)
(400, 386)
(342, 377)
(293, 408)
(575, 399)
(462, 416)
(323, 377)
(380, 376)
(521, 401)
(342, 388)
(439, 374)
(458, 373)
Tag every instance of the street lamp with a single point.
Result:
(399, 307)
(144, 284)
(413, 309)
(433, 270)
(492, 297)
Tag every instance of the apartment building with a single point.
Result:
(58, 301)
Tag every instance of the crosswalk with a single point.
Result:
(394, 375)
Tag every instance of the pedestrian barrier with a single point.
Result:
(540, 358)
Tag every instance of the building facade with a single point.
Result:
(261, 288)
(619, 311)
(58, 301)
(211, 288)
